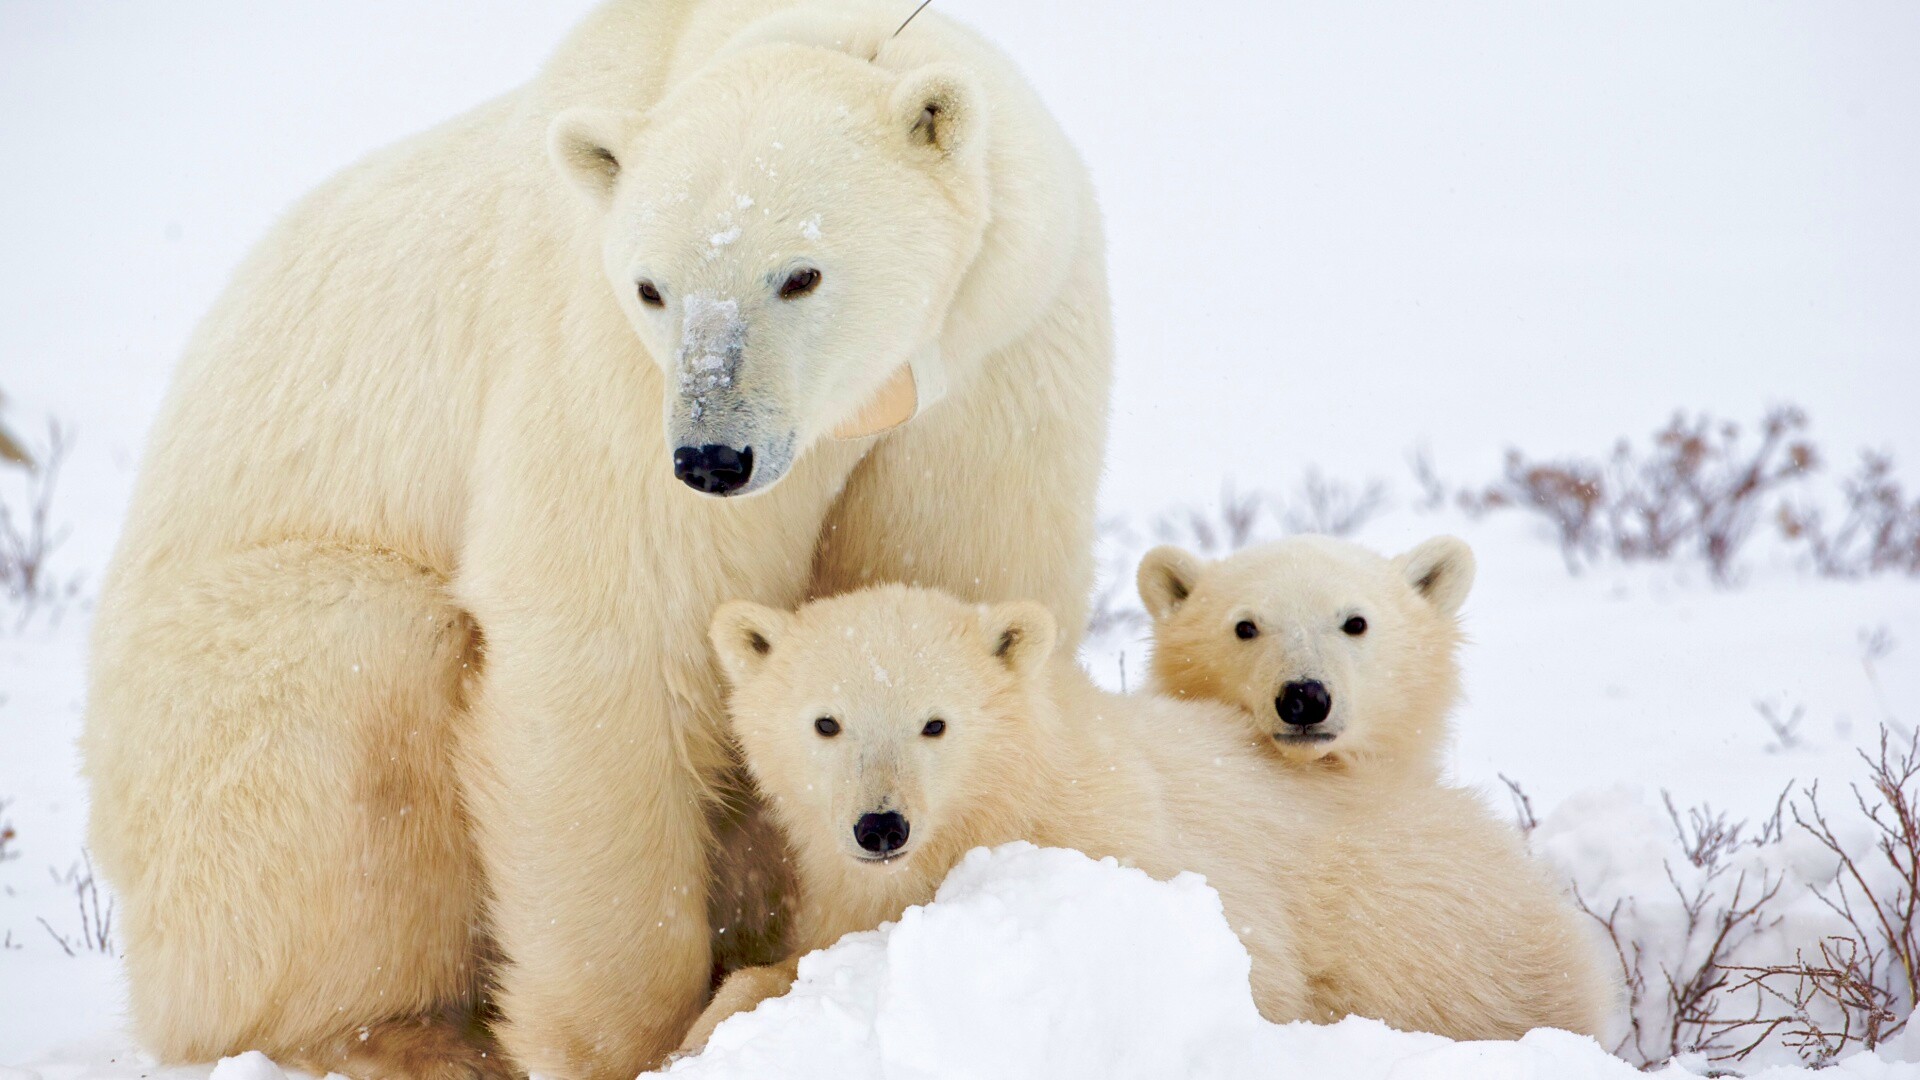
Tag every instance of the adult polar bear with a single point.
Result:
(410, 597)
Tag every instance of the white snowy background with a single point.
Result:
(1336, 233)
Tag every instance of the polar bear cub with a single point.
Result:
(1344, 664)
(892, 730)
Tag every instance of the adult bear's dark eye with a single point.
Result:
(1245, 630)
(649, 295)
(1354, 626)
(799, 283)
(934, 728)
(827, 726)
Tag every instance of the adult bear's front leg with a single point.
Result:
(592, 573)
(591, 828)
(588, 814)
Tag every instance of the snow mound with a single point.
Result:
(252, 1065)
(1029, 963)
(1040, 962)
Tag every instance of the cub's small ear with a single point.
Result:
(1020, 633)
(1440, 569)
(744, 635)
(940, 106)
(585, 145)
(1166, 578)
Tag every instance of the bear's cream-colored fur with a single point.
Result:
(1028, 749)
(1429, 917)
(1446, 925)
(400, 666)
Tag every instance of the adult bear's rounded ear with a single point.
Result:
(744, 635)
(1166, 578)
(1020, 634)
(941, 107)
(1440, 569)
(585, 144)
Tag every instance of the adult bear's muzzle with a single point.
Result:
(724, 436)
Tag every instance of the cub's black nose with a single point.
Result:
(881, 834)
(714, 469)
(1303, 704)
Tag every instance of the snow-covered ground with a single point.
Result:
(1013, 973)
(1337, 232)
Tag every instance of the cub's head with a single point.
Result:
(786, 231)
(1332, 651)
(885, 724)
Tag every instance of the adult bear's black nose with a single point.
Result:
(714, 469)
(1303, 704)
(882, 834)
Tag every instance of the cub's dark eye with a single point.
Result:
(827, 726)
(799, 283)
(1354, 626)
(1245, 630)
(649, 295)
(935, 728)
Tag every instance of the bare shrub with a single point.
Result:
(1212, 530)
(1567, 493)
(1319, 504)
(1882, 914)
(1861, 985)
(1700, 487)
(12, 450)
(1434, 492)
(28, 535)
(1876, 644)
(1784, 726)
(1717, 923)
(1331, 507)
(1675, 996)
(1630, 954)
(1707, 836)
(96, 913)
(1524, 818)
(1878, 532)
(1113, 608)
(1673, 1007)
(1718, 482)
(1219, 530)
(1703, 965)
(1695, 991)
(7, 835)
(1791, 1002)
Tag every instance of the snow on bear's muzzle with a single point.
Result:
(724, 443)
